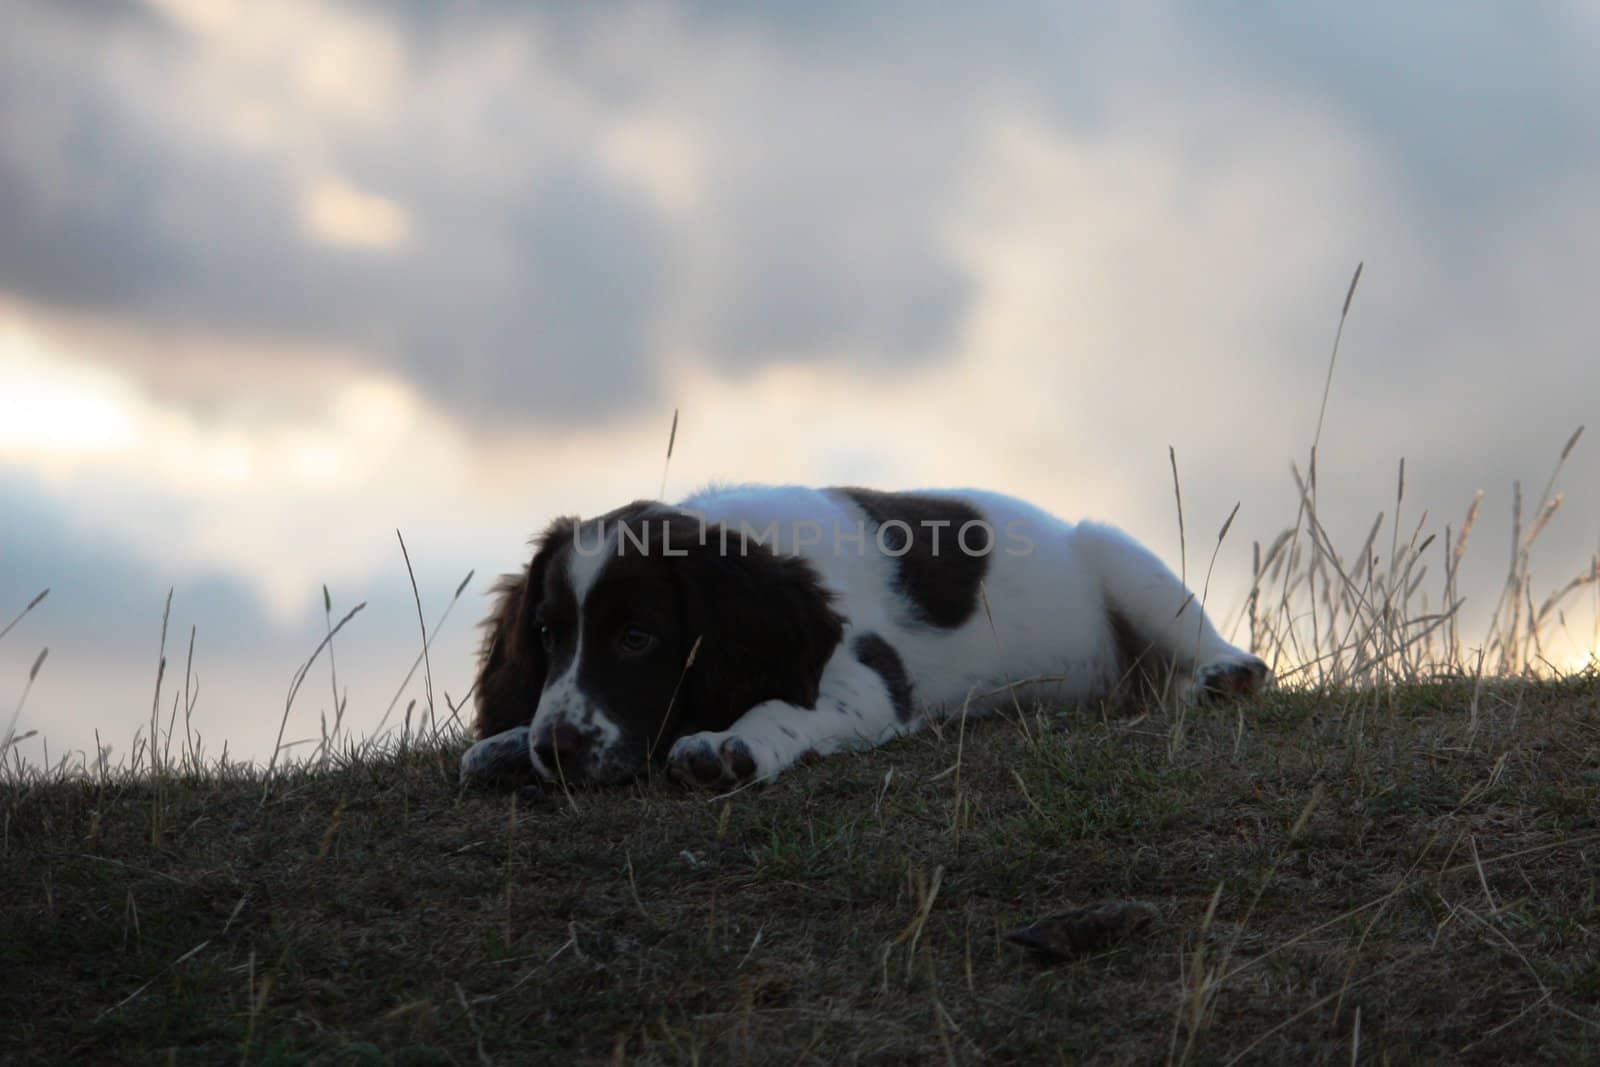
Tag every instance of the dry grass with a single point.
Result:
(1333, 622)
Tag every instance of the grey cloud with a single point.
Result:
(542, 303)
(538, 285)
(102, 596)
(539, 307)
(823, 235)
(1474, 102)
(900, 306)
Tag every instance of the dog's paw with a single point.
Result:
(501, 760)
(712, 761)
(1230, 679)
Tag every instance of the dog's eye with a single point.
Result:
(636, 642)
(547, 638)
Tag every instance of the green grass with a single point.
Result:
(1438, 903)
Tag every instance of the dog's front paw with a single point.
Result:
(1230, 679)
(712, 761)
(501, 760)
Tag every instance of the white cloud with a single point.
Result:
(278, 499)
(291, 58)
(341, 214)
(50, 411)
(664, 154)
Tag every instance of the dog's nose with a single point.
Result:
(561, 743)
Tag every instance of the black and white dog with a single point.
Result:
(752, 627)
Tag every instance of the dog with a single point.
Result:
(750, 628)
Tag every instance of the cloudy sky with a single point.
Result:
(278, 279)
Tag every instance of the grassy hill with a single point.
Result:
(1368, 864)
(1404, 874)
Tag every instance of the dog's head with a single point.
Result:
(627, 631)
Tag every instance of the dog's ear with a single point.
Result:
(765, 625)
(512, 663)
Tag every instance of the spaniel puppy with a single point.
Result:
(751, 627)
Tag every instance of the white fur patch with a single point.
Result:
(587, 558)
(564, 700)
(1053, 591)
(505, 755)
